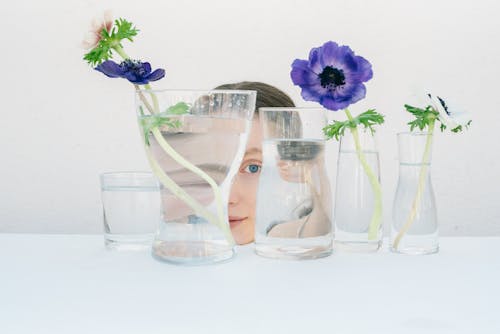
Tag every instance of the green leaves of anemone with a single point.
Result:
(150, 122)
(122, 29)
(368, 119)
(423, 117)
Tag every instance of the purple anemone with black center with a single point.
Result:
(135, 71)
(333, 76)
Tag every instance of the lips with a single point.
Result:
(233, 220)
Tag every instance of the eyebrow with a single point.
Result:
(253, 150)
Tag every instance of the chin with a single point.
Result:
(243, 237)
(244, 241)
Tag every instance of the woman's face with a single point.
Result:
(243, 194)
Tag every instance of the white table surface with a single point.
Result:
(72, 284)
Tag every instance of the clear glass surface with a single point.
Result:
(210, 137)
(354, 196)
(293, 218)
(414, 228)
(131, 209)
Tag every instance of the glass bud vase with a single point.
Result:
(358, 197)
(194, 141)
(293, 214)
(414, 228)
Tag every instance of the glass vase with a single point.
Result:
(194, 141)
(414, 228)
(358, 197)
(293, 212)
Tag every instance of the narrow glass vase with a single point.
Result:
(414, 228)
(293, 215)
(358, 206)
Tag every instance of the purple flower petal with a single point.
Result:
(359, 69)
(331, 103)
(314, 61)
(309, 94)
(333, 54)
(353, 93)
(156, 75)
(110, 68)
(301, 73)
(146, 67)
(132, 77)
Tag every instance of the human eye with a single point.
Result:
(251, 168)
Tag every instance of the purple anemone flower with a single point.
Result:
(333, 76)
(134, 71)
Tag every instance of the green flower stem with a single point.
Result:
(377, 189)
(153, 96)
(145, 101)
(120, 51)
(173, 187)
(215, 188)
(420, 188)
(184, 196)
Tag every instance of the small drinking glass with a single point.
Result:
(131, 209)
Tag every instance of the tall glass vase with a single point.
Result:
(194, 141)
(414, 228)
(358, 198)
(293, 217)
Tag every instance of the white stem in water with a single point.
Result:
(420, 189)
(376, 219)
(218, 220)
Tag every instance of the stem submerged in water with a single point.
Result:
(374, 181)
(219, 219)
(420, 188)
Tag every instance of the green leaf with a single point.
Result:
(336, 129)
(368, 119)
(460, 128)
(178, 109)
(150, 122)
(122, 29)
(423, 117)
(98, 54)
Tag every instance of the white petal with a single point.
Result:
(453, 116)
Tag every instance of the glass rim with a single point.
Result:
(412, 133)
(290, 108)
(201, 91)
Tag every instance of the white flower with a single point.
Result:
(93, 36)
(450, 115)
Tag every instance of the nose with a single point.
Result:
(235, 191)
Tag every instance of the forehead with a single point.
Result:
(255, 138)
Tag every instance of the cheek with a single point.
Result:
(251, 192)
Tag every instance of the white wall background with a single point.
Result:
(62, 123)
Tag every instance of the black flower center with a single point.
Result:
(134, 66)
(331, 77)
(443, 104)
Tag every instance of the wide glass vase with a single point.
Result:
(358, 198)
(194, 141)
(293, 215)
(414, 228)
